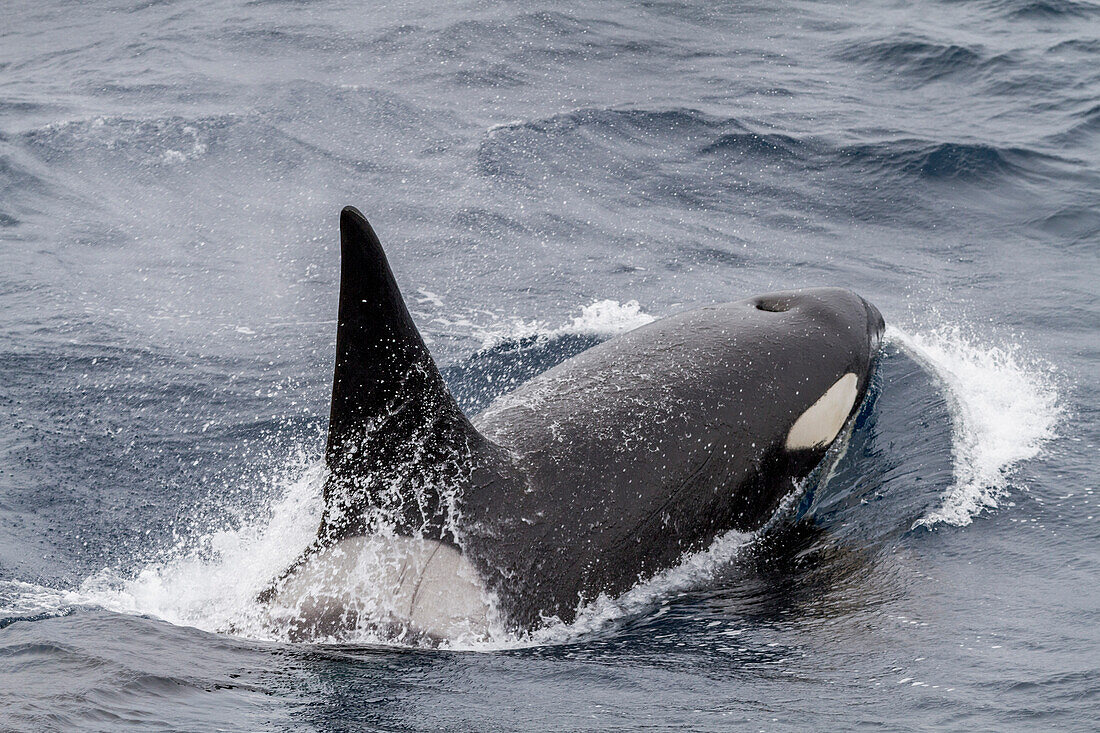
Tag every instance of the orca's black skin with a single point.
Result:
(603, 470)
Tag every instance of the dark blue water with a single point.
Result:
(544, 176)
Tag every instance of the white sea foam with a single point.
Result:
(605, 318)
(211, 584)
(602, 318)
(1005, 409)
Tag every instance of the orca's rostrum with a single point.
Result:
(598, 473)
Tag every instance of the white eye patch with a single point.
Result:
(818, 425)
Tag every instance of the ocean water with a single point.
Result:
(544, 176)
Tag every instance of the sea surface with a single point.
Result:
(544, 176)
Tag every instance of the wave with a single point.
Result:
(1046, 9)
(649, 148)
(160, 140)
(1074, 224)
(1006, 410)
(761, 145)
(941, 161)
(1084, 127)
(920, 59)
(324, 126)
(1085, 46)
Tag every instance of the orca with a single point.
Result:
(602, 471)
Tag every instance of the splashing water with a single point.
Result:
(214, 586)
(1005, 410)
(602, 318)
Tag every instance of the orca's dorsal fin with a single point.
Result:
(392, 419)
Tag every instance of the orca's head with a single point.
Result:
(841, 333)
(848, 313)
